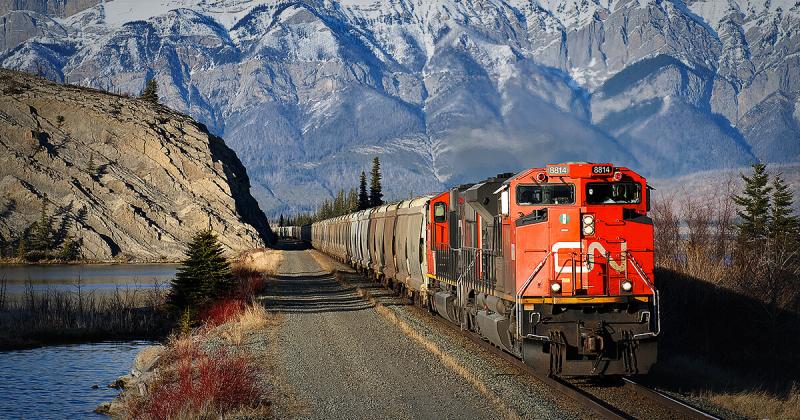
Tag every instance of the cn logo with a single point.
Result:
(582, 266)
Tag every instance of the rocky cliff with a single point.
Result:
(138, 179)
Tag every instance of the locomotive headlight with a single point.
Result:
(555, 287)
(588, 224)
(627, 285)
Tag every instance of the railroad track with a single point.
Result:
(679, 407)
(579, 395)
(598, 406)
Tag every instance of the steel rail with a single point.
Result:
(587, 400)
(666, 401)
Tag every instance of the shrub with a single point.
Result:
(201, 383)
(221, 312)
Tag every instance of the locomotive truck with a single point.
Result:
(553, 264)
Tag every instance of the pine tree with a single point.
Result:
(281, 221)
(363, 196)
(42, 238)
(91, 167)
(339, 205)
(150, 92)
(375, 190)
(69, 249)
(352, 201)
(783, 223)
(22, 246)
(203, 275)
(754, 206)
(326, 210)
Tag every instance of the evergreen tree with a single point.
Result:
(69, 249)
(281, 221)
(91, 167)
(352, 201)
(150, 92)
(783, 223)
(754, 206)
(203, 275)
(22, 245)
(42, 239)
(339, 204)
(325, 211)
(363, 196)
(375, 190)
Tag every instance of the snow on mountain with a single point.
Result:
(714, 11)
(445, 91)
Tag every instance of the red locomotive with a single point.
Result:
(554, 264)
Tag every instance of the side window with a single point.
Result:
(439, 212)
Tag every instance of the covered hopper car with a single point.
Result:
(553, 264)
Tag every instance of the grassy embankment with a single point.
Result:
(221, 366)
(730, 322)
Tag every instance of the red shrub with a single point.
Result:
(203, 383)
(222, 311)
(249, 286)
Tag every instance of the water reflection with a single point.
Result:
(90, 277)
(56, 381)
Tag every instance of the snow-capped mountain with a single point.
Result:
(445, 91)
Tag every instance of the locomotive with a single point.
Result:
(553, 264)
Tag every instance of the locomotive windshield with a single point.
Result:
(613, 193)
(528, 195)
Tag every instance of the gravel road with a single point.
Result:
(343, 360)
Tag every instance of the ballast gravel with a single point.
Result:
(343, 360)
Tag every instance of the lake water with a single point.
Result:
(90, 277)
(56, 381)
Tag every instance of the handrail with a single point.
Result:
(518, 297)
(656, 302)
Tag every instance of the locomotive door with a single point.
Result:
(439, 235)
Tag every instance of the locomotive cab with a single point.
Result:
(582, 249)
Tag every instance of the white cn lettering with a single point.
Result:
(586, 266)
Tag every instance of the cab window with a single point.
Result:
(545, 194)
(613, 193)
(439, 212)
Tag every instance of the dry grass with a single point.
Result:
(748, 396)
(56, 316)
(261, 261)
(326, 263)
(253, 318)
(761, 405)
(448, 360)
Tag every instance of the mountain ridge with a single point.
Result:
(307, 92)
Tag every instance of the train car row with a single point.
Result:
(553, 264)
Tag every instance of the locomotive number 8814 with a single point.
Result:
(553, 264)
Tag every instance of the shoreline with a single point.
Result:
(30, 344)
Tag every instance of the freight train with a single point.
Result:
(553, 264)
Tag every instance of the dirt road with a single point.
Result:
(343, 360)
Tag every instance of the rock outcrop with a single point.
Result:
(136, 179)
